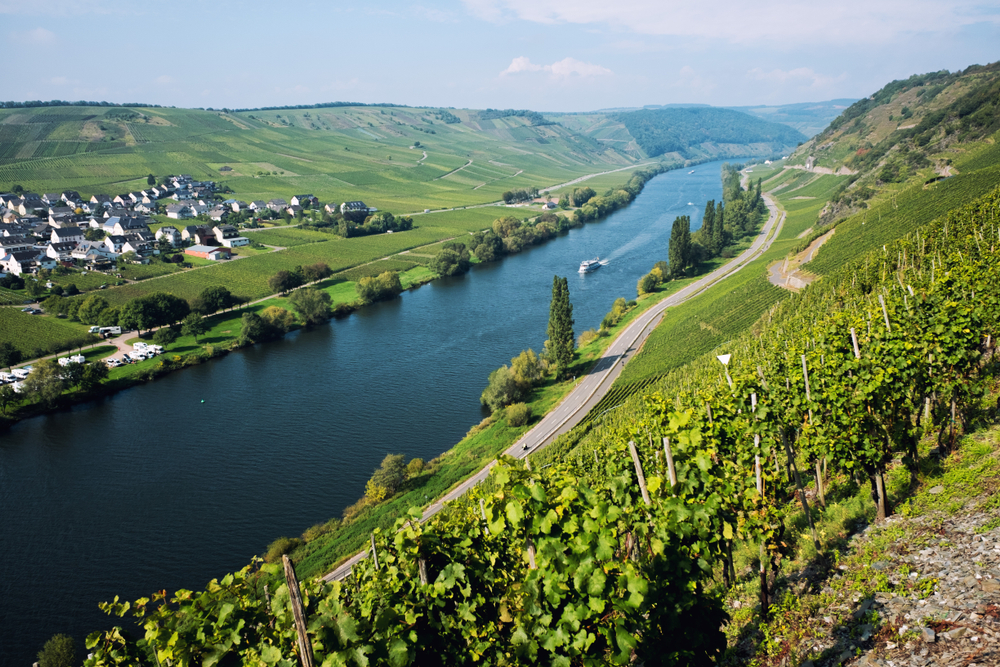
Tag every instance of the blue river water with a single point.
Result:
(154, 489)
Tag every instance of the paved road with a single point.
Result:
(592, 387)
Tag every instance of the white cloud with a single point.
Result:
(521, 64)
(778, 21)
(562, 69)
(59, 81)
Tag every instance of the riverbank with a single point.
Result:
(188, 351)
(289, 432)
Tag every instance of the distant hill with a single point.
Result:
(693, 132)
(809, 118)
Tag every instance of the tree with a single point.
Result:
(648, 282)
(311, 304)
(45, 382)
(504, 227)
(284, 281)
(679, 252)
(7, 397)
(194, 326)
(165, 336)
(707, 231)
(452, 260)
(9, 355)
(527, 368)
(213, 299)
(93, 374)
(387, 479)
(502, 389)
(58, 651)
(720, 239)
(151, 180)
(91, 309)
(560, 330)
(33, 287)
(278, 318)
(127, 258)
(153, 310)
(71, 289)
(314, 272)
(252, 328)
(385, 286)
(487, 246)
(109, 317)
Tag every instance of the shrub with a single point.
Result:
(518, 414)
(414, 468)
(58, 651)
(480, 427)
(320, 529)
(280, 547)
(587, 337)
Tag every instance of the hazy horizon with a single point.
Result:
(546, 55)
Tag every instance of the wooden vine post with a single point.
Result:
(671, 471)
(819, 469)
(295, 596)
(638, 471)
(759, 474)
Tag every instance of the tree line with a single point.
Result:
(738, 216)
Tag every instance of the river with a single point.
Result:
(152, 488)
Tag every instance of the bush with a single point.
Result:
(280, 547)
(414, 468)
(587, 337)
(518, 414)
(58, 651)
(320, 529)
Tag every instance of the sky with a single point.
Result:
(545, 55)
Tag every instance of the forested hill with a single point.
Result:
(692, 131)
(906, 129)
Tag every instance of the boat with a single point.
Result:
(690, 203)
(588, 265)
(691, 172)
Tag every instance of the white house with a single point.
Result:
(171, 234)
(66, 235)
(229, 236)
(178, 211)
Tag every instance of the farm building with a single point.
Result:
(208, 252)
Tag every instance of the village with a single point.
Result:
(46, 231)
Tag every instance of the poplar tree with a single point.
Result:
(560, 331)
(719, 230)
(708, 227)
(679, 252)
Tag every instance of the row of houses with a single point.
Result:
(67, 204)
(23, 250)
